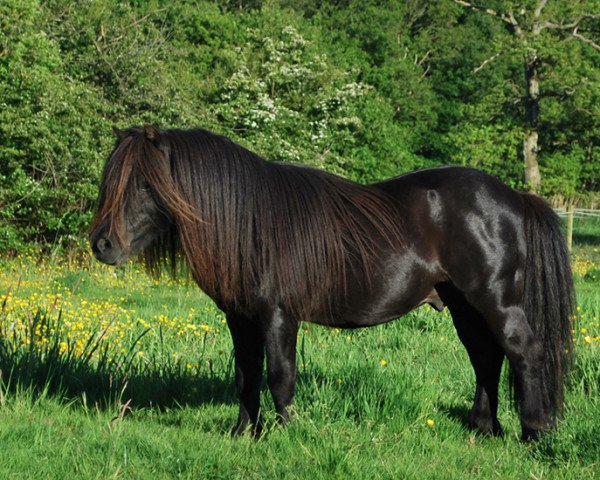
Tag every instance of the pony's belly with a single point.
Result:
(408, 282)
(378, 312)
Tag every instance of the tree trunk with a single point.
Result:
(532, 112)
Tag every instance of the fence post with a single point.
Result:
(570, 226)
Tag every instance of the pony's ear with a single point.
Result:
(151, 133)
(121, 134)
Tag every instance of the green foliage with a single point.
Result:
(49, 141)
(493, 148)
(562, 171)
(366, 89)
(290, 102)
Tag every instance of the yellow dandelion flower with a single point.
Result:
(383, 362)
(430, 423)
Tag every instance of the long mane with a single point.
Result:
(252, 230)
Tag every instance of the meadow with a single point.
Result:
(107, 373)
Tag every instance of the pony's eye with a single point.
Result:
(145, 187)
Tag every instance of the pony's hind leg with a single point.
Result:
(508, 323)
(486, 357)
(249, 351)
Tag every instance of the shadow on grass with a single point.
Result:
(586, 239)
(459, 414)
(71, 379)
(169, 386)
(586, 231)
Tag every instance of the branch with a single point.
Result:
(485, 62)
(515, 24)
(560, 26)
(584, 39)
(538, 10)
(135, 23)
(567, 26)
(478, 8)
(420, 62)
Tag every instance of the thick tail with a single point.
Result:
(549, 297)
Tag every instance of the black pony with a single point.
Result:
(274, 244)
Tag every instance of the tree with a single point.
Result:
(536, 29)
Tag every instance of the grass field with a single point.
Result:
(109, 374)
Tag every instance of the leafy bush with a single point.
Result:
(50, 134)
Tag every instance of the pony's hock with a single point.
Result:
(274, 244)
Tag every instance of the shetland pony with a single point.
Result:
(274, 244)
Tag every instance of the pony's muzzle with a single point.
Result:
(106, 250)
(103, 245)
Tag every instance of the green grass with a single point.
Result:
(362, 407)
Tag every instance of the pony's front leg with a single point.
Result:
(249, 351)
(280, 341)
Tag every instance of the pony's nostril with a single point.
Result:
(103, 245)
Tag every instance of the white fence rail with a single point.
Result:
(572, 213)
(578, 212)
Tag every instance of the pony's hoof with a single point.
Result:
(487, 427)
(536, 430)
(530, 435)
(242, 429)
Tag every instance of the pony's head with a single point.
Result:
(138, 201)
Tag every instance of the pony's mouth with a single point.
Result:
(112, 258)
